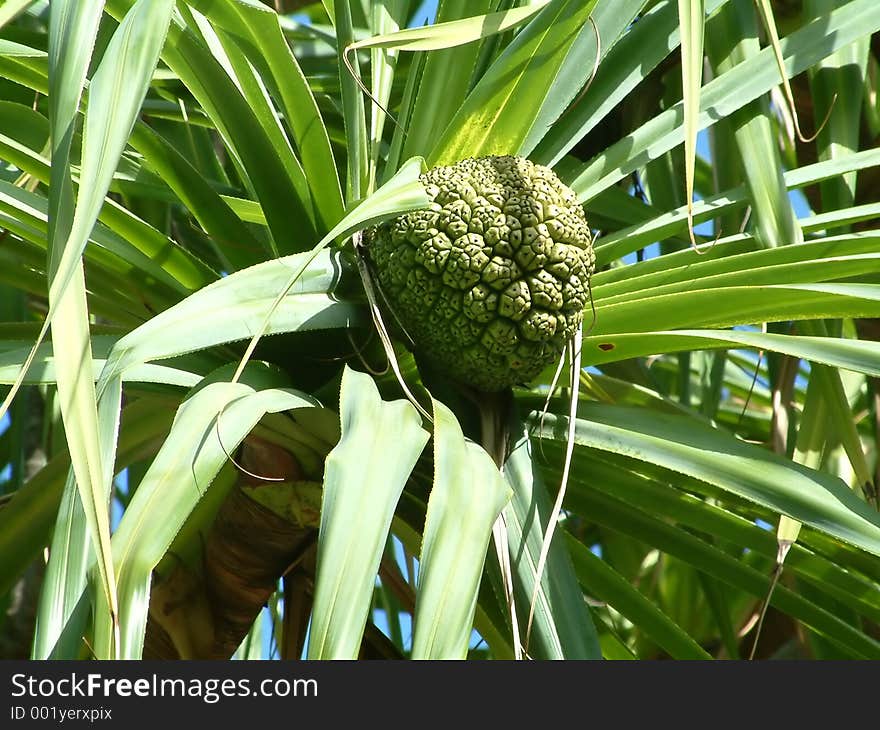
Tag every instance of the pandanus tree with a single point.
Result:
(538, 329)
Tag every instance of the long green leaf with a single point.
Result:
(27, 215)
(235, 306)
(683, 446)
(721, 96)
(282, 295)
(856, 355)
(562, 627)
(603, 583)
(691, 18)
(466, 499)
(637, 524)
(734, 36)
(736, 305)
(116, 93)
(651, 39)
(364, 476)
(255, 94)
(657, 492)
(258, 30)
(212, 212)
(26, 527)
(444, 78)
(451, 33)
(12, 8)
(526, 88)
(353, 112)
(115, 96)
(237, 124)
(190, 458)
(85, 522)
(826, 259)
(837, 86)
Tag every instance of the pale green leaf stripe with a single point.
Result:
(467, 496)
(674, 222)
(452, 33)
(11, 8)
(11, 49)
(86, 524)
(524, 91)
(562, 627)
(186, 465)
(682, 445)
(691, 19)
(364, 476)
(858, 355)
(728, 92)
(70, 556)
(602, 582)
(116, 92)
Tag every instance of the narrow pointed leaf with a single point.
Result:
(683, 446)
(857, 355)
(452, 33)
(691, 17)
